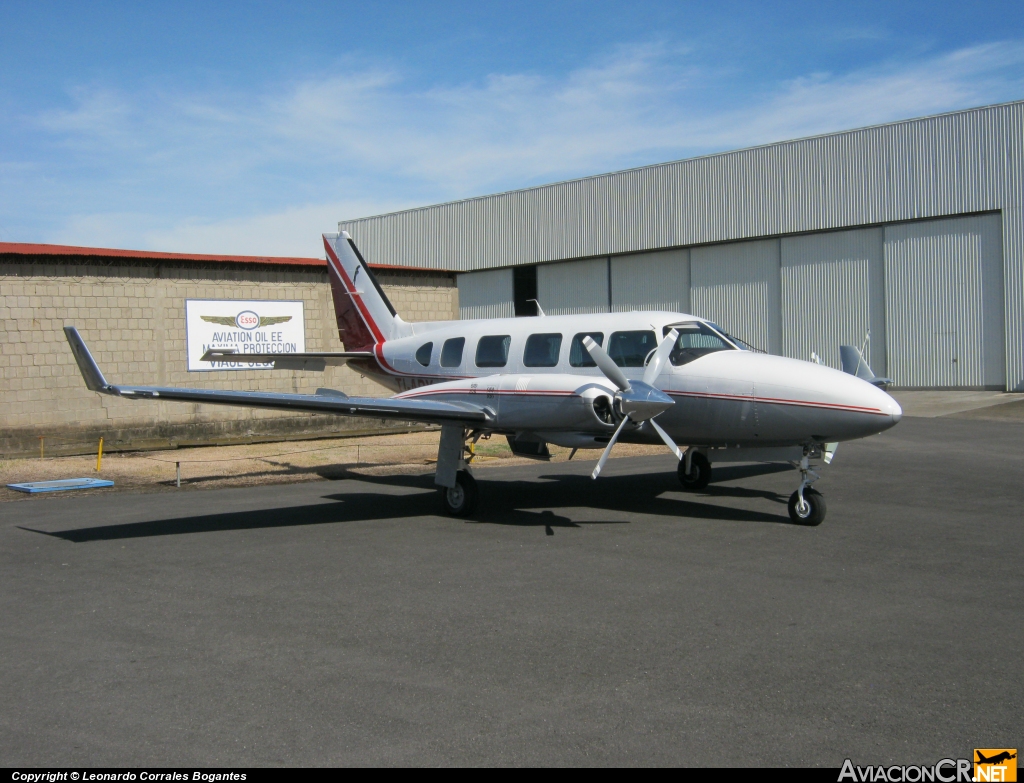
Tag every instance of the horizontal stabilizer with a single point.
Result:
(313, 362)
(854, 364)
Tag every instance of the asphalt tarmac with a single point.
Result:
(571, 622)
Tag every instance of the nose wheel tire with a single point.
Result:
(460, 500)
(700, 472)
(811, 512)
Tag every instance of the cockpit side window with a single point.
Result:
(423, 354)
(542, 350)
(695, 340)
(630, 349)
(451, 352)
(579, 356)
(492, 351)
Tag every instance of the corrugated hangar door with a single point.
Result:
(652, 281)
(944, 303)
(833, 293)
(487, 294)
(737, 286)
(573, 287)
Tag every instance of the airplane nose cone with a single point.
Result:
(895, 410)
(880, 400)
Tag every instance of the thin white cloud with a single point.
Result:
(294, 231)
(263, 169)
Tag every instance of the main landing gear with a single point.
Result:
(456, 486)
(460, 500)
(806, 505)
(694, 471)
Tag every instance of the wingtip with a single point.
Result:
(91, 374)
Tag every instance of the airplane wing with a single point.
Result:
(324, 401)
(315, 362)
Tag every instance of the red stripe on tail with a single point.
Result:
(356, 327)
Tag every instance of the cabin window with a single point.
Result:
(542, 350)
(695, 340)
(579, 356)
(492, 351)
(423, 354)
(451, 352)
(630, 349)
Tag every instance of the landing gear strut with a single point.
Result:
(806, 505)
(694, 471)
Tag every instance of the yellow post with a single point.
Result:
(40, 447)
(99, 456)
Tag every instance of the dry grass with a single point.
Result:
(269, 463)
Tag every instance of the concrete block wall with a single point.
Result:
(133, 319)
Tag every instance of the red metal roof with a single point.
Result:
(32, 249)
(29, 249)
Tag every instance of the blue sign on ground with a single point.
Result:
(60, 485)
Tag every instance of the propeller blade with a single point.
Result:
(668, 441)
(660, 357)
(608, 367)
(608, 450)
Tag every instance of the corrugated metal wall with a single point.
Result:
(486, 294)
(950, 164)
(935, 274)
(652, 281)
(736, 285)
(573, 287)
(954, 164)
(827, 295)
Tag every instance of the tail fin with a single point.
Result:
(365, 316)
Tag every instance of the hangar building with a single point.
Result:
(911, 231)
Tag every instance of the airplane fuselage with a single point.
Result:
(529, 372)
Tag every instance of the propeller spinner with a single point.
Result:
(638, 401)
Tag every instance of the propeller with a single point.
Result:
(638, 401)
(608, 367)
(657, 363)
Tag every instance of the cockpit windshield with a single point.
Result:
(743, 345)
(695, 340)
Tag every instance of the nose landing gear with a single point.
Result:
(806, 505)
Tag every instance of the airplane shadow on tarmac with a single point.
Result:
(641, 494)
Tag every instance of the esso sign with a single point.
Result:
(247, 319)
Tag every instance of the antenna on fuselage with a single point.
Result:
(540, 310)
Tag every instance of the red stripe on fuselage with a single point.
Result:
(779, 401)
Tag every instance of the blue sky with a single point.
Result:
(252, 128)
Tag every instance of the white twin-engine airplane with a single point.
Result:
(578, 381)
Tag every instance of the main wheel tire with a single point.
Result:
(813, 512)
(700, 472)
(460, 500)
